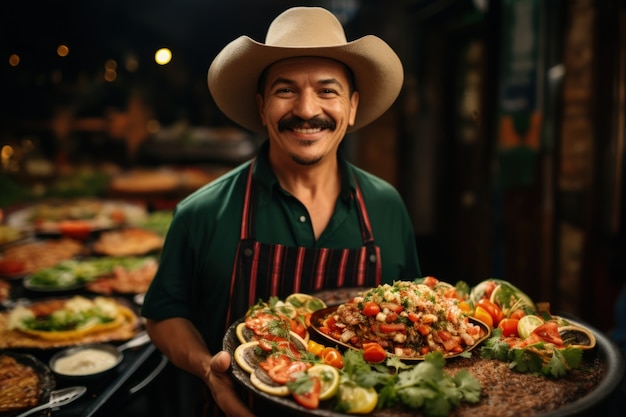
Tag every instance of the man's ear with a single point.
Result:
(354, 105)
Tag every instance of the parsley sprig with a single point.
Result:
(424, 386)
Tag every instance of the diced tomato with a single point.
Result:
(370, 309)
(509, 327)
(332, 356)
(451, 293)
(450, 342)
(549, 331)
(430, 281)
(392, 327)
(422, 328)
(373, 352)
(391, 317)
(311, 398)
(413, 317)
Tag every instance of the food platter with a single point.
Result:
(123, 327)
(605, 356)
(44, 375)
(100, 274)
(54, 217)
(318, 317)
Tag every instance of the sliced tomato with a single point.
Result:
(373, 352)
(370, 308)
(308, 396)
(332, 356)
(509, 327)
(549, 331)
(298, 327)
(283, 373)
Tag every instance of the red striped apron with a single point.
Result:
(262, 270)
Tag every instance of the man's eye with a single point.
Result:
(327, 91)
(284, 90)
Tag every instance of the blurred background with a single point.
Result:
(507, 141)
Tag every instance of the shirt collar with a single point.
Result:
(267, 180)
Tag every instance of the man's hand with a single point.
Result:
(220, 384)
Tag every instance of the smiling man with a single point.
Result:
(298, 217)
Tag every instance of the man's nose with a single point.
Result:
(307, 105)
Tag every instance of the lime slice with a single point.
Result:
(356, 399)
(527, 324)
(329, 377)
(305, 303)
(286, 309)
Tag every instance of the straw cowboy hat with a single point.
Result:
(298, 32)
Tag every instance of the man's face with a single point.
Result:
(307, 108)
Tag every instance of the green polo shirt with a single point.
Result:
(195, 268)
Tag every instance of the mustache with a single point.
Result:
(299, 123)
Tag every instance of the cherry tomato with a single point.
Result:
(492, 309)
(373, 352)
(332, 356)
(370, 308)
(483, 315)
(309, 398)
(509, 327)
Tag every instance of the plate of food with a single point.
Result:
(75, 216)
(407, 319)
(104, 275)
(25, 382)
(30, 256)
(502, 388)
(67, 321)
(131, 241)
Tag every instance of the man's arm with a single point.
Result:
(180, 341)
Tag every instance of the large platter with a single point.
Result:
(594, 401)
(318, 316)
(46, 379)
